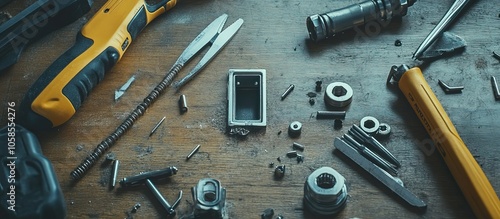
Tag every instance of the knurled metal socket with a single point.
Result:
(325, 192)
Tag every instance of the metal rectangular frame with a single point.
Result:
(232, 98)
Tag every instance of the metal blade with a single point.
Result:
(221, 40)
(379, 174)
(202, 39)
(119, 93)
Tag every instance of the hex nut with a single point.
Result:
(338, 95)
(384, 130)
(295, 129)
(325, 192)
(369, 124)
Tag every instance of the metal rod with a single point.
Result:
(156, 126)
(494, 84)
(287, 91)
(116, 165)
(195, 149)
(170, 210)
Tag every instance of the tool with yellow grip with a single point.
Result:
(54, 98)
(464, 168)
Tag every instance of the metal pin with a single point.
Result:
(298, 146)
(494, 84)
(116, 165)
(170, 208)
(287, 91)
(156, 126)
(183, 108)
(195, 149)
(330, 115)
(292, 154)
(496, 56)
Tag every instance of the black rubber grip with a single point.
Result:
(78, 87)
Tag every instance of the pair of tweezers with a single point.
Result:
(213, 35)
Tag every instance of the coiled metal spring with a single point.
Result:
(86, 164)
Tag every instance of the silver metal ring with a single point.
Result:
(369, 124)
(338, 94)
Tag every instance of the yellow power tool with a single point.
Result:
(468, 174)
(54, 98)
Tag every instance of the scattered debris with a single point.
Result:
(312, 94)
(110, 157)
(239, 131)
(398, 43)
(279, 133)
(280, 216)
(267, 214)
(278, 159)
(136, 207)
(300, 159)
(271, 165)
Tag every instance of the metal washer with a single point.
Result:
(336, 100)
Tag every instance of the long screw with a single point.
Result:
(86, 164)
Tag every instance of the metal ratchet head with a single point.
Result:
(322, 26)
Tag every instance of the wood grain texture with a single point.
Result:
(273, 37)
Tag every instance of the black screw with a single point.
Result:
(318, 86)
(398, 43)
(312, 101)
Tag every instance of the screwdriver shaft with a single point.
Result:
(450, 15)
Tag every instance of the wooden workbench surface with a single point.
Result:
(273, 37)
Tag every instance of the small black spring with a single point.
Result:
(86, 164)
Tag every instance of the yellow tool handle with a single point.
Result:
(464, 168)
(54, 98)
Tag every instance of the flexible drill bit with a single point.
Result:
(205, 37)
